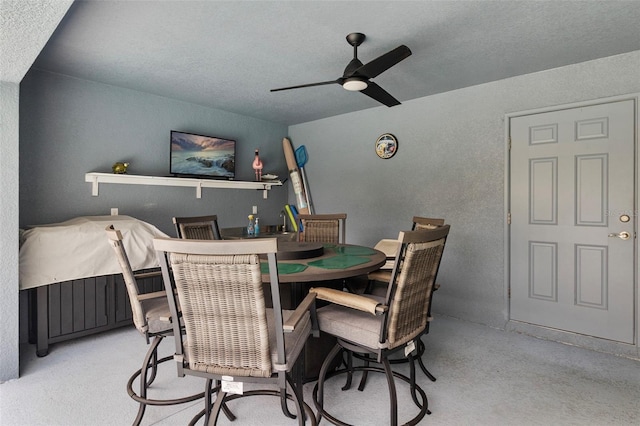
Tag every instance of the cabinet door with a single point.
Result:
(78, 305)
(122, 307)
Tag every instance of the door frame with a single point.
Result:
(595, 343)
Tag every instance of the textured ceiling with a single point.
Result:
(228, 55)
(25, 28)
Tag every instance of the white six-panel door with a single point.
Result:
(572, 208)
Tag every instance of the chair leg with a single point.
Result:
(227, 412)
(211, 413)
(207, 400)
(421, 349)
(141, 409)
(211, 385)
(225, 409)
(154, 367)
(422, 402)
(298, 400)
(363, 379)
(412, 380)
(425, 371)
(393, 398)
(283, 403)
(349, 366)
(150, 361)
(318, 390)
(215, 411)
(147, 374)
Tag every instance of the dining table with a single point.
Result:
(302, 265)
(303, 262)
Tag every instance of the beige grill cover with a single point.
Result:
(78, 248)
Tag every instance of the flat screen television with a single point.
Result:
(202, 156)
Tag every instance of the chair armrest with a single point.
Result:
(350, 300)
(304, 306)
(154, 295)
(152, 274)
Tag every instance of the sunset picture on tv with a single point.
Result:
(202, 156)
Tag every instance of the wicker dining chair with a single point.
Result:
(230, 335)
(373, 329)
(322, 228)
(152, 318)
(390, 248)
(197, 227)
(378, 281)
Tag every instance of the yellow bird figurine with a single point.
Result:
(120, 168)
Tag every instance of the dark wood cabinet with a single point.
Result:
(71, 309)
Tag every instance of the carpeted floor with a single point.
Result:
(485, 377)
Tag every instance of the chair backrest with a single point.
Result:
(115, 239)
(411, 287)
(197, 227)
(220, 293)
(322, 228)
(426, 223)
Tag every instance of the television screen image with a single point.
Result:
(202, 156)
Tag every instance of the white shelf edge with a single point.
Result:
(96, 178)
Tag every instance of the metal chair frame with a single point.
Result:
(197, 227)
(384, 276)
(226, 264)
(393, 336)
(146, 373)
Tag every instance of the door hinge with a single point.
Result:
(509, 218)
(509, 293)
(509, 144)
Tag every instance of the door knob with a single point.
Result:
(624, 235)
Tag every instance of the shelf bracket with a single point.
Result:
(265, 191)
(94, 186)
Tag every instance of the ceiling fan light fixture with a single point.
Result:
(354, 84)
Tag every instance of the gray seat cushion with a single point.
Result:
(361, 328)
(156, 312)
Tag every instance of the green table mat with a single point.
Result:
(355, 251)
(283, 268)
(339, 262)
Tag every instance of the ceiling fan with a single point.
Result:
(357, 76)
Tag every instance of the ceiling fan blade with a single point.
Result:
(382, 63)
(379, 94)
(322, 83)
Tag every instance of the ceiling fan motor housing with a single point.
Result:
(356, 39)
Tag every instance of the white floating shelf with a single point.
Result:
(97, 178)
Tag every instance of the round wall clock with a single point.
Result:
(386, 146)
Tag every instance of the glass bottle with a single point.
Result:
(250, 227)
(256, 228)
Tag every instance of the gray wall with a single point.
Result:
(25, 30)
(71, 126)
(9, 360)
(450, 163)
